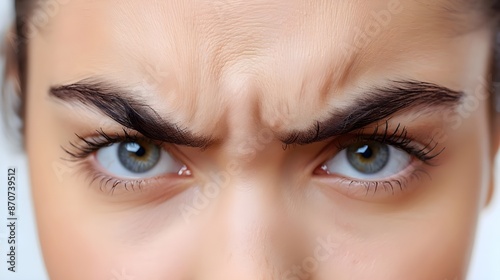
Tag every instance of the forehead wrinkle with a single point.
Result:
(135, 26)
(309, 67)
(189, 90)
(466, 6)
(213, 50)
(202, 47)
(449, 17)
(344, 69)
(155, 67)
(235, 33)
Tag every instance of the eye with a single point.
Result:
(368, 160)
(136, 159)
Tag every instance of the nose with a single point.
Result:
(251, 234)
(252, 231)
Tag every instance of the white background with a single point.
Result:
(485, 263)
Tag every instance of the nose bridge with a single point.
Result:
(247, 228)
(245, 234)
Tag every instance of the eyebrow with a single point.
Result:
(377, 104)
(127, 110)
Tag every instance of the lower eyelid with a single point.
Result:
(165, 184)
(394, 186)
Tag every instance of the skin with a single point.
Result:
(234, 70)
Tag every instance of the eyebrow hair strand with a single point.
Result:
(128, 111)
(378, 104)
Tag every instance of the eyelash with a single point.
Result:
(89, 146)
(78, 152)
(398, 138)
(388, 185)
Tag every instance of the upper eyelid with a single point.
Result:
(421, 151)
(398, 136)
(399, 132)
(80, 150)
(101, 139)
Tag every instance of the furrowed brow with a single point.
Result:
(127, 110)
(378, 104)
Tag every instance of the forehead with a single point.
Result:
(281, 59)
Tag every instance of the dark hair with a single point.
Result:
(17, 56)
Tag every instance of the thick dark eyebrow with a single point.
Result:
(128, 110)
(378, 104)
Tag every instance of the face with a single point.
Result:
(259, 139)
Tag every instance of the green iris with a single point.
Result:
(368, 157)
(138, 157)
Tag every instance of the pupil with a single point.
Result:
(135, 148)
(369, 157)
(365, 151)
(138, 157)
(140, 152)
